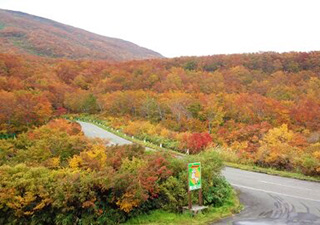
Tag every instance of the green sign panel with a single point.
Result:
(194, 176)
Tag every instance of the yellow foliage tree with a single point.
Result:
(93, 159)
(317, 156)
(275, 149)
(140, 127)
(128, 202)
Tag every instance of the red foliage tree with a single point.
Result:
(196, 142)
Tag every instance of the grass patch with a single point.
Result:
(158, 217)
(273, 171)
(2, 26)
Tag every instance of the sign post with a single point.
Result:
(194, 181)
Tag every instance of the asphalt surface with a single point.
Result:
(93, 131)
(267, 199)
(273, 200)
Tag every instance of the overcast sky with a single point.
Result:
(185, 27)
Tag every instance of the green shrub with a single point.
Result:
(93, 183)
(218, 193)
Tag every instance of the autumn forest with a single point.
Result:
(261, 109)
(264, 107)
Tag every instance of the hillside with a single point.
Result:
(21, 33)
(264, 107)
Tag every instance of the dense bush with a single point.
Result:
(94, 183)
(258, 144)
(279, 148)
(236, 99)
(50, 145)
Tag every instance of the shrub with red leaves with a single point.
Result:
(196, 142)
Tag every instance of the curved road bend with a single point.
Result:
(267, 200)
(93, 131)
(273, 200)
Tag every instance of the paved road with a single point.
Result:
(268, 200)
(273, 200)
(91, 130)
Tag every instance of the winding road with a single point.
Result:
(267, 199)
(273, 200)
(93, 131)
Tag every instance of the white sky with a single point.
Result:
(185, 27)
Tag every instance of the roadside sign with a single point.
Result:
(194, 176)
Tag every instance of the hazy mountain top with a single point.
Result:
(23, 33)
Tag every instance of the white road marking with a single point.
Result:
(272, 192)
(289, 186)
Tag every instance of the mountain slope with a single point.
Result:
(23, 33)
